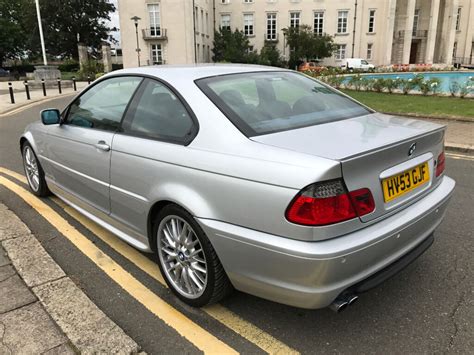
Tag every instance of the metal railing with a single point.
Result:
(154, 33)
(414, 34)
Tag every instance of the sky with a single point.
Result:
(114, 22)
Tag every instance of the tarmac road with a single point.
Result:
(429, 307)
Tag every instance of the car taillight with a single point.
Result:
(327, 203)
(441, 164)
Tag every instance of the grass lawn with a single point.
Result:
(432, 106)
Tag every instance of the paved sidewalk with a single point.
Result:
(35, 94)
(41, 310)
(459, 135)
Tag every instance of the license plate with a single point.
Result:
(400, 184)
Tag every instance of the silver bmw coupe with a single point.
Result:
(247, 177)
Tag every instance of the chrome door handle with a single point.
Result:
(102, 146)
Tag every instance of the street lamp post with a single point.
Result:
(135, 21)
(40, 27)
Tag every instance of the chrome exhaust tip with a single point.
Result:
(339, 305)
(352, 299)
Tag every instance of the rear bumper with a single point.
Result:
(313, 274)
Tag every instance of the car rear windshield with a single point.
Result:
(266, 102)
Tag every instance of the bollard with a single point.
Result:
(59, 86)
(44, 87)
(74, 83)
(27, 90)
(10, 88)
(88, 80)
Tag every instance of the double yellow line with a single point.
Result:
(187, 328)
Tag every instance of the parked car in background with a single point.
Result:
(4, 73)
(358, 64)
(248, 177)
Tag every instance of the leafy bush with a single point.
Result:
(368, 84)
(69, 65)
(379, 84)
(429, 85)
(391, 84)
(90, 69)
(356, 82)
(466, 89)
(454, 87)
(334, 80)
(407, 85)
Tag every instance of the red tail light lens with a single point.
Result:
(327, 203)
(441, 164)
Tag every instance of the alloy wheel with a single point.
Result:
(182, 257)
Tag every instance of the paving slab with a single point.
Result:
(11, 226)
(29, 330)
(3, 258)
(64, 349)
(6, 271)
(13, 291)
(31, 260)
(88, 328)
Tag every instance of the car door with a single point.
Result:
(145, 154)
(78, 150)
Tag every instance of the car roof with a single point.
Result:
(194, 71)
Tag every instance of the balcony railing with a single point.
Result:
(155, 33)
(414, 34)
(271, 37)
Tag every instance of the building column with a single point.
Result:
(106, 57)
(469, 33)
(408, 34)
(432, 32)
(451, 12)
(390, 27)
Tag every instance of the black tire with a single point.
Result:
(218, 284)
(41, 189)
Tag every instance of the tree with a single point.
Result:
(231, 46)
(13, 29)
(306, 45)
(270, 55)
(64, 20)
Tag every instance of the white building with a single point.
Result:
(382, 31)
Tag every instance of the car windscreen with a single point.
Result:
(266, 102)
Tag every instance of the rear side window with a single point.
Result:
(156, 112)
(267, 102)
(103, 105)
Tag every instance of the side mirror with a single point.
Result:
(50, 116)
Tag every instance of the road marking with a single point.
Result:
(247, 330)
(460, 156)
(201, 338)
(34, 103)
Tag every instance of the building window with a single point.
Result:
(371, 21)
(248, 24)
(250, 49)
(271, 26)
(202, 22)
(154, 15)
(369, 51)
(294, 19)
(225, 22)
(342, 21)
(225, 1)
(196, 19)
(248, 1)
(207, 22)
(318, 22)
(340, 51)
(416, 20)
(455, 49)
(156, 54)
(458, 19)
